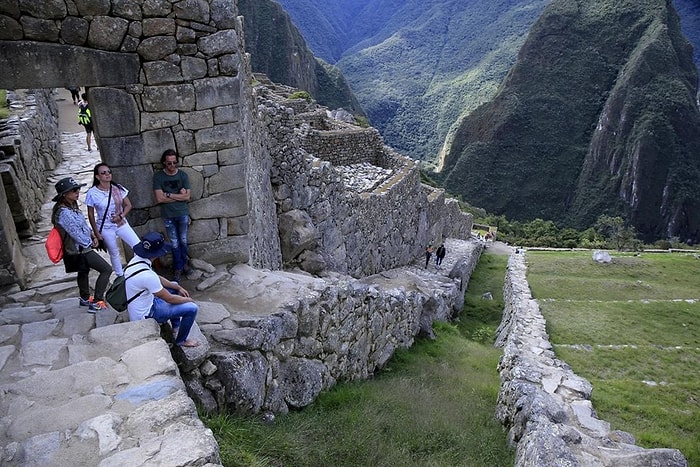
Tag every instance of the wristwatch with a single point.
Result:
(167, 195)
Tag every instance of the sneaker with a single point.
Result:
(85, 301)
(97, 306)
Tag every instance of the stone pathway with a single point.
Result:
(79, 389)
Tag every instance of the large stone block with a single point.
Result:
(138, 179)
(219, 137)
(229, 177)
(224, 13)
(157, 48)
(161, 71)
(107, 32)
(232, 203)
(74, 30)
(10, 29)
(214, 92)
(155, 142)
(163, 98)
(194, 10)
(123, 151)
(157, 120)
(219, 43)
(205, 230)
(229, 250)
(61, 64)
(115, 112)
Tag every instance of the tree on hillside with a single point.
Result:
(616, 231)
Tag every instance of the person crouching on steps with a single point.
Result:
(157, 297)
(78, 242)
(110, 202)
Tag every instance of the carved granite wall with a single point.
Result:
(29, 146)
(163, 74)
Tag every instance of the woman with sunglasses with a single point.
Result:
(78, 243)
(110, 202)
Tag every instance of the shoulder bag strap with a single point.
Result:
(129, 300)
(109, 199)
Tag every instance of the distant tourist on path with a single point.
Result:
(85, 119)
(428, 254)
(440, 254)
(111, 203)
(158, 298)
(78, 243)
(75, 95)
(171, 187)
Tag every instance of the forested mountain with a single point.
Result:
(278, 50)
(598, 116)
(417, 66)
(552, 144)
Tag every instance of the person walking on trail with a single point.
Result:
(85, 119)
(428, 254)
(78, 243)
(440, 254)
(157, 297)
(171, 187)
(110, 202)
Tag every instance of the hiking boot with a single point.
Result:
(97, 306)
(85, 301)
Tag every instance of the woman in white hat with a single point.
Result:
(78, 242)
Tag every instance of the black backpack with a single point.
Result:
(116, 295)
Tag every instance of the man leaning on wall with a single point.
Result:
(171, 187)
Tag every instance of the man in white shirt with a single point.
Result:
(157, 297)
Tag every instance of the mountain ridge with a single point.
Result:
(584, 128)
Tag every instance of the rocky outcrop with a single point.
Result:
(544, 405)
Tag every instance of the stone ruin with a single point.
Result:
(306, 217)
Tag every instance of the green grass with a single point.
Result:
(433, 405)
(4, 109)
(632, 329)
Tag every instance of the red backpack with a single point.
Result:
(54, 246)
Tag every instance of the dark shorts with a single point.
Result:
(88, 128)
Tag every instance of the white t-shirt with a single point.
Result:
(148, 281)
(97, 199)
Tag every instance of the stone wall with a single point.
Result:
(319, 332)
(325, 223)
(545, 405)
(29, 146)
(165, 74)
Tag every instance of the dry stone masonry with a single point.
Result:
(545, 405)
(29, 145)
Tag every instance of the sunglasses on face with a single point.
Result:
(105, 172)
(75, 190)
(170, 162)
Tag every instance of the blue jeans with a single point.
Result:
(181, 316)
(176, 228)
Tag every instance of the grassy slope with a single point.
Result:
(433, 405)
(624, 327)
